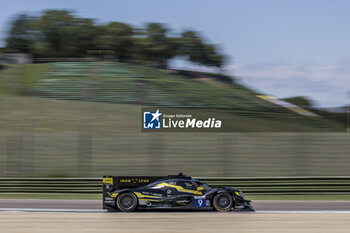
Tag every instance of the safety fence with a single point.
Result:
(267, 185)
(211, 155)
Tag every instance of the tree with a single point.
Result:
(20, 33)
(191, 46)
(156, 46)
(83, 34)
(197, 51)
(211, 57)
(116, 37)
(59, 33)
(65, 35)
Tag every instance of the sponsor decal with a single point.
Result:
(198, 119)
(134, 181)
(108, 180)
(199, 201)
(152, 120)
(207, 203)
(180, 119)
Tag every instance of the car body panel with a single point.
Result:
(176, 192)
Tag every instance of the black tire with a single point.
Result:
(223, 202)
(127, 202)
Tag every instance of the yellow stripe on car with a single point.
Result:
(113, 194)
(139, 195)
(145, 199)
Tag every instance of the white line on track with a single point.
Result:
(304, 211)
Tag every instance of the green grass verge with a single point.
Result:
(50, 196)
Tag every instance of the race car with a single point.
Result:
(129, 193)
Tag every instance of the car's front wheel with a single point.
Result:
(127, 202)
(223, 202)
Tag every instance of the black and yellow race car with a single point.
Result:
(129, 193)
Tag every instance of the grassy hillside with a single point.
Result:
(48, 115)
(19, 79)
(125, 84)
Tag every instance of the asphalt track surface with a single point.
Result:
(42, 216)
(97, 205)
(174, 222)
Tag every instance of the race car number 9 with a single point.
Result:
(199, 202)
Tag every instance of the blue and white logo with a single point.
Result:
(151, 120)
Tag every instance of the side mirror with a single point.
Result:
(200, 188)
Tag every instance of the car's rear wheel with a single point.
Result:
(223, 202)
(127, 202)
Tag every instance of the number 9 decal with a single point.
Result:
(199, 202)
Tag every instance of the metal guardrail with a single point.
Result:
(261, 185)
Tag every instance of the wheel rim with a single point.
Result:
(223, 202)
(126, 202)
